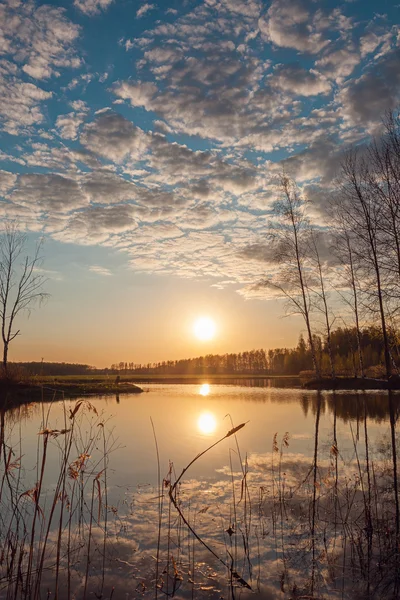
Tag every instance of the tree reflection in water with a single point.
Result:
(292, 526)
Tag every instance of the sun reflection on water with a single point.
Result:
(204, 389)
(206, 423)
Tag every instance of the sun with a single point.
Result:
(204, 329)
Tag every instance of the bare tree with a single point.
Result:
(290, 236)
(322, 296)
(343, 249)
(21, 283)
(365, 214)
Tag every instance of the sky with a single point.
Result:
(142, 141)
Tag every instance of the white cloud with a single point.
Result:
(145, 8)
(68, 125)
(339, 63)
(40, 38)
(115, 138)
(41, 41)
(100, 270)
(20, 105)
(97, 224)
(204, 75)
(7, 180)
(297, 80)
(92, 7)
(50, 192)
(294, 24)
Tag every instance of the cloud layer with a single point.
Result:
(165, 143)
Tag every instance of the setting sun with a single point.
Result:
(204, 329)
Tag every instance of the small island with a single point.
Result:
(64, 387)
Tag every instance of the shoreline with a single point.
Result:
(50, 388)
(352, 383)
(47, 391)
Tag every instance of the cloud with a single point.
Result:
(39, 38)
(7, 180)
(318, 162)
(378, 37)
(216, 97)
(92, 7)
(299, 81)
(144, 9)
(227, 82)
(40, 41)
(105, 187)
(291, 24)
(20, 105)
(364, 100)
(100, 270)
(114, 138)
(97, 224)
(50, 192)
(339, 63)
(68, 125)
(139, 94)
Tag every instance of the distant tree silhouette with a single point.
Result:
(281, 361)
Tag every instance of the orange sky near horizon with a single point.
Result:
(137, 318)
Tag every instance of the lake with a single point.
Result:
(108, 501)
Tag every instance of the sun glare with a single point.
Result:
(207, 423)
(204, 389)
(204, 329)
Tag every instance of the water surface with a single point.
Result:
(287, 503)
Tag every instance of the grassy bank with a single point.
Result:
(48, 388)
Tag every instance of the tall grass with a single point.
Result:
(46, 530)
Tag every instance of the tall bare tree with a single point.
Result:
(322, 296)
(21, 284)
(343, 249)
(290, 237)
(365, 215)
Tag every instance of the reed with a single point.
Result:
(41, 531)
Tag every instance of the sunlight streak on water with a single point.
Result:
(204, 389)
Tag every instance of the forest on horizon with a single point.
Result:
(278, 361)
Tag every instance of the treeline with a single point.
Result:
(280, 361)
(347, 269)
(53, 368)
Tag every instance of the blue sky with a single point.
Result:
(143, 141)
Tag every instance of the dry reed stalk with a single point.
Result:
(160, 508)
(172, 494)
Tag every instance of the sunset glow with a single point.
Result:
(204, 329)
(144, 142)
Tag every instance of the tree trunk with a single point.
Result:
(5, 359)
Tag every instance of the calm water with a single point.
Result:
(288, 504)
